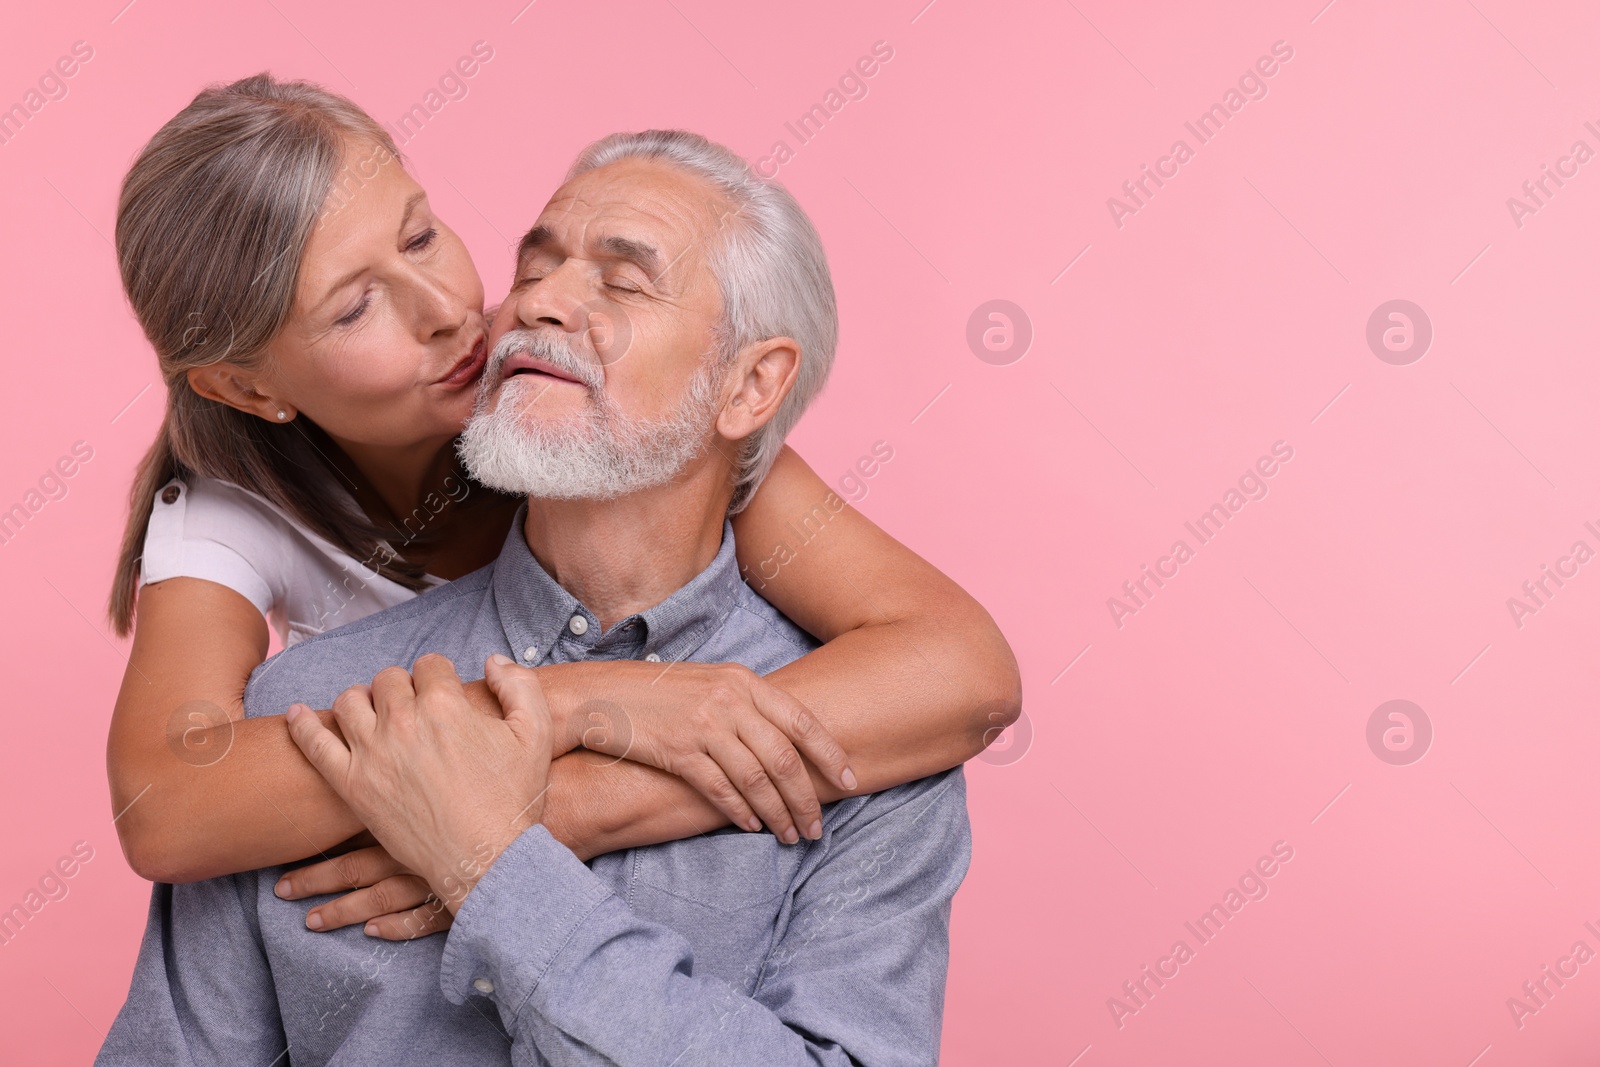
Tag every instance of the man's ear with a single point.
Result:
(762, 375)
(236, 387)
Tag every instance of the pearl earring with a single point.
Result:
(282, 414)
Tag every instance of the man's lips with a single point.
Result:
(469, 366)
(523, 363)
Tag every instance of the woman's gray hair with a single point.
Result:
(213, 219)
(769, 265)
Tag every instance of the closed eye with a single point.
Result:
(355, 312)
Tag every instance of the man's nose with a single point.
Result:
(555, 300)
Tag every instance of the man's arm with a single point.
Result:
(857, 976)
(202, 992)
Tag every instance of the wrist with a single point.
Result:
(569, 822)
(453, 879)
(570, 690)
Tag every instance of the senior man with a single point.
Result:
(730, 948)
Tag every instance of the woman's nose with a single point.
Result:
(444, 309)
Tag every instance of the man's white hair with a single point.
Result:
(769, 265)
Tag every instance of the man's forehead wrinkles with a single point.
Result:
(677, 221)
(589, 233)
(723, 217)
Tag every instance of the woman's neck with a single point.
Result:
(392, 483)
(415, 493)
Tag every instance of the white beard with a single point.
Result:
(598, 454)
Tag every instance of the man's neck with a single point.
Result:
(626, 555)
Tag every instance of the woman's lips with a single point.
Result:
(469, 368)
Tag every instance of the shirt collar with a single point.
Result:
(544, 623)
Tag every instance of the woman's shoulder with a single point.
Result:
(202, 527)
(205, 499)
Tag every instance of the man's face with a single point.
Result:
(603, 350)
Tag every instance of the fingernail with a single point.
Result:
(293, 713)
(314, 920)
(283, 888)
(816, 829)
(790, 836)
(753, 823)
(849, 778)
(500, 661)
(371, 929)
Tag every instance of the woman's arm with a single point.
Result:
(201, 790)
(914, 677)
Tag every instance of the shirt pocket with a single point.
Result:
(723, 892)
(722, 872)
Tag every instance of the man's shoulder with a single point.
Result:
(320, 667)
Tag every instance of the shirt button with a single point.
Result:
(483, 985)
(653, 658)
(169, 495)
(578, 625)
(530, 653)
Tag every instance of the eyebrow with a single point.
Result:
(411, 206)
(640, 254)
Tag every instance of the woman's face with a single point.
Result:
(386, 341)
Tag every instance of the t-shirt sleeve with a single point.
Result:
(207, 529)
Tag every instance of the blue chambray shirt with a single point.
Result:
(729, 948)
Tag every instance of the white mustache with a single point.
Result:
(546, 345)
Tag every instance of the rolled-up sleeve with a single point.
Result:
(857, 976)
(202, 992)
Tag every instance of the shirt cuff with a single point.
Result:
(516, 920)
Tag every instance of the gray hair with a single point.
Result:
(770, 267)
(213, 219)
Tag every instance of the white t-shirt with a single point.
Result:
(302, 583)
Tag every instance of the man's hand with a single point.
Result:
(444, 788)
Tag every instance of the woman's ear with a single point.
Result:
(762, 375)
(236, 387)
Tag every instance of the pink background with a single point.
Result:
(1168, 354)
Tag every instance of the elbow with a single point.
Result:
(145, 855)
(137, 831)
(152, 853)
(998, 692)
(999, 679)
(1007, 699)
(154, 814)
(999, 710)
(154, 862)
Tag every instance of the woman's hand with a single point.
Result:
(393, 903)
(722, 728)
